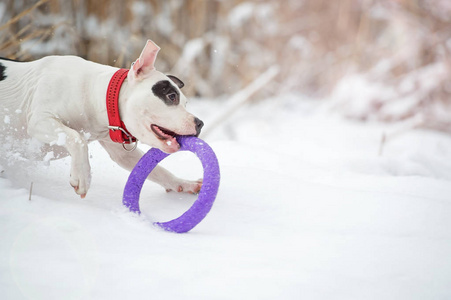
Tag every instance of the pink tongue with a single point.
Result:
(172, 144)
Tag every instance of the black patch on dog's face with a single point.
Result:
(177, 81)
(166, 92)
(2, 72)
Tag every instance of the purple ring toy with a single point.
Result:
(200, 208)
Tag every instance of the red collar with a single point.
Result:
(118, 131)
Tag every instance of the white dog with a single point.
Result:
(61, 101)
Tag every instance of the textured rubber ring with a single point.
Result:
(207, 194)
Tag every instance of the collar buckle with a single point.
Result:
(131, 139)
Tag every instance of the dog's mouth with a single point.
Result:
(166, 136)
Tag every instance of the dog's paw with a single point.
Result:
(80, 181)
(186, 186)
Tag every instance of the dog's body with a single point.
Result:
(61, 102)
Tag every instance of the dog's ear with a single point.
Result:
(177, 81)
(145, 63)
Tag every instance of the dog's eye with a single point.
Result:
(172, 97)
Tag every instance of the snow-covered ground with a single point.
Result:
(307, 209)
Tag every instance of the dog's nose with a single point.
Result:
(199, 124)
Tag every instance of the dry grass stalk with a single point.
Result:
(22, 14)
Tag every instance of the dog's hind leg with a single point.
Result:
(160, 175)
(51, 131)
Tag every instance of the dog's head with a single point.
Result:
(154, 107)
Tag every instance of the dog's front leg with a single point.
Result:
(51, 131)
(160, 175)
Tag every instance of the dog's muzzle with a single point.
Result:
(198, 124)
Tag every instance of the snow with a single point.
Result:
(192, 49)
(61, 140)
(240, 14)
(307, 209)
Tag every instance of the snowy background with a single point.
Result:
(333, 140)
(307, 209)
